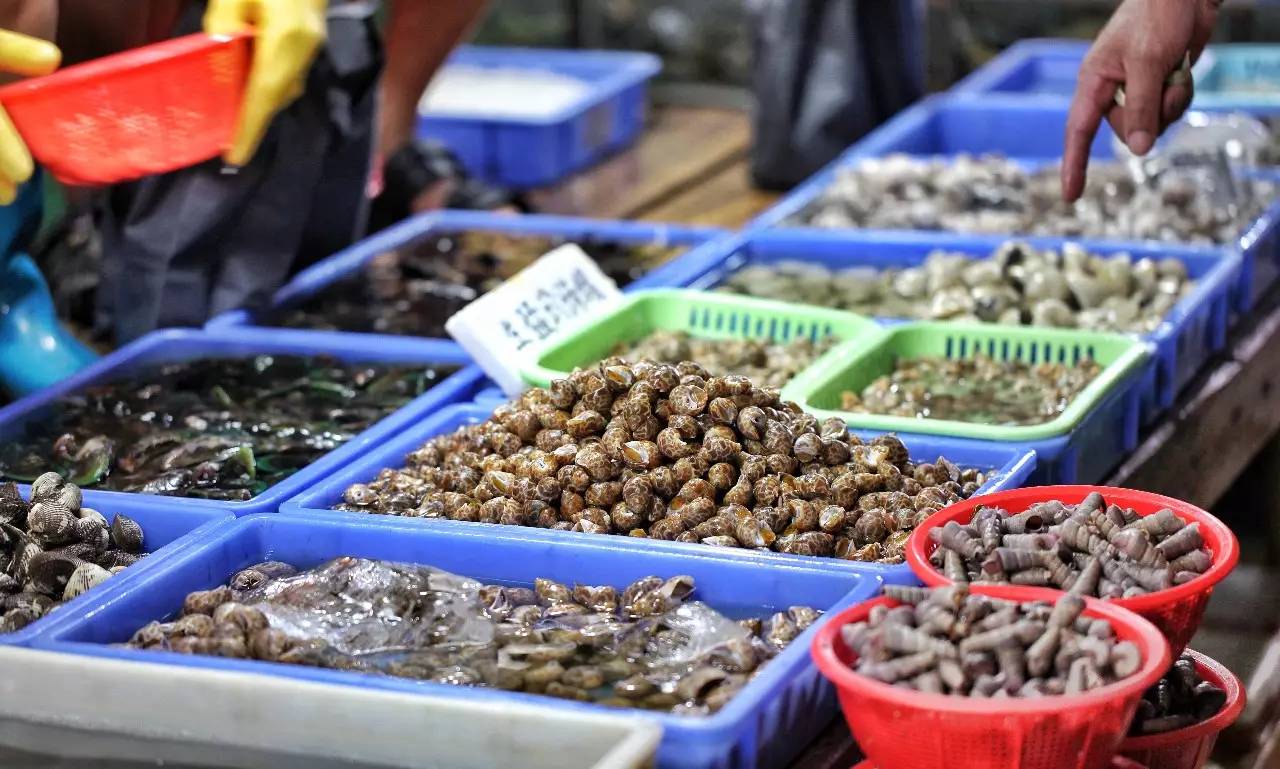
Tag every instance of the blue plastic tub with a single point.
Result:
(352, 260)
(164, 530)
(182, 345)
(1012, 467)
(1047, 68)
(1239, 76)
(1194, 331)
(1242, 77)
(773, 718)
(941, 127)
(531, 151)
(1017, 127)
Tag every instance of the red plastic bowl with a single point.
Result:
(150, 110)
(1176, 611)
(1117, 762)
(904, 729)
(1190, 748)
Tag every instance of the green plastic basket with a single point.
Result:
(699, 313)
(854, 365)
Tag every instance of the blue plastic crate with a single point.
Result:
(1012, 466)
(182, 345)
(164, 530)
(1243, 77)
(490, 395)
(1017, 127)
(354, 259)
(1239, 76)
(531, 151)
(1194, 331)
(946, 126)
(774, 717)
(1047, 68)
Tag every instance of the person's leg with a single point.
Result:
(254, 256)
(340, 205)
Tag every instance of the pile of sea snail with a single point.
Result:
(764, 362)
(53, 549)
(1016, 285)
(672, 452)
(1178, 700)
(948, 641)
(990, 194)
(1092, 548)
(978, 389)
(644, 646)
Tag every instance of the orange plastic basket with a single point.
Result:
(900, 728)
(1176, 611)
(150, 110)
(1190, 748)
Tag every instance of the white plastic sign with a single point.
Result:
(505, 328)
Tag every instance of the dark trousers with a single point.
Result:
(182, 247)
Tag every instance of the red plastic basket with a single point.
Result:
(1176, 611)
(150, 110)
(1117, 762)
(1190, 748)
(900, 728)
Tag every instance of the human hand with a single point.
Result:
(20, 55)
(287, 35)
(1140, 47)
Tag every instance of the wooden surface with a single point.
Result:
(690, 166)
(1222, 421)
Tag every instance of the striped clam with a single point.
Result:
(994, 195)
(1017, 284)
(52, 548)
(647, 645)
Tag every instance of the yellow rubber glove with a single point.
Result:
(287, 34)
(20, 55)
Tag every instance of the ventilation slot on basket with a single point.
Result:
(778, 329)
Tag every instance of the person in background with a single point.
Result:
(1144, 52)
(183, 247)
(328, 100)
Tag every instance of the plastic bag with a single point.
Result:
(826, 72)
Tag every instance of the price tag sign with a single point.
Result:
(506, 327)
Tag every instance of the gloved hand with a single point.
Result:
(20, 55)
(287, 34)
